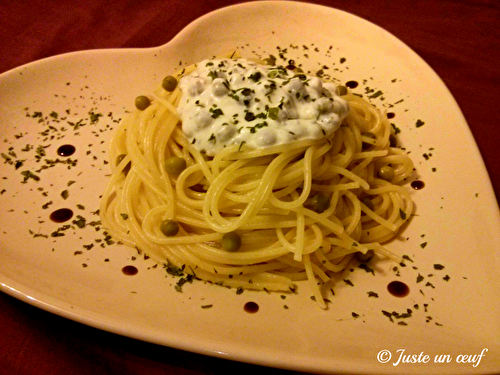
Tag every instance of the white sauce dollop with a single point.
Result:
(227, 102)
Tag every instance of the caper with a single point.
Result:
(271, 60)
(119, 159)
(273, 74)
(393, 141)
(169, 83)
(366, 145)
(368, 203)
(386, 173)
(169, 227)
(175, 165)
(142, 102)
(273, 113)
(341, 90)
(365, 257)
(231, 241)
(319, 203)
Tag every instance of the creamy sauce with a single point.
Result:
(227, 102)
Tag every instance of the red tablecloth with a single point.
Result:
(459, 39)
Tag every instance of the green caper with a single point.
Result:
(365, 257)
(393, 141)
(271, 60)
(319, 203)
(273, 113)
(142, 102)
(368, 203)
(273, 74)
(169, 227)
(169, 83)
(366, 145)
(341, 90)
(386, 173)
(119, 159)
(231, 241)
(175, 165)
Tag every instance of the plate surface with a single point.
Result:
(72, 268)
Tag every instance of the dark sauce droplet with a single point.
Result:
(417, 184)
(66, 150)
(251, 307)
(398, 289)
(352, 84)
(61, 215)
(391, 115)
(130, 270)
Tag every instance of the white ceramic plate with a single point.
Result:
(454, 311)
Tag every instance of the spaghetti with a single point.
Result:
(256, 218)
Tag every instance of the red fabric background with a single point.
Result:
(459, 39)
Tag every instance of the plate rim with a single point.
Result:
(25, 297)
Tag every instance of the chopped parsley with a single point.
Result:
(348, 282)
(402, 214)
(255, 76)
(419, 123)
(216, 112)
